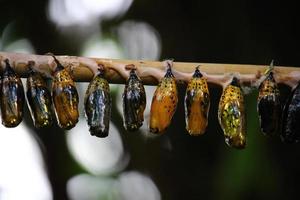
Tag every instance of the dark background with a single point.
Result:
(249, 32)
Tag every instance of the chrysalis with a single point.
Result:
(39, 99)
(268, 105)
(291, 118)
(12, 97)
(134, 102)
(164, 103)
(65, 97)
(231, 115)
(196, 104)
(97, 106)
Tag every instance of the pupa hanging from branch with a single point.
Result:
(134, 101)
(268, 104)
(97, 105)
(12, 97)
(164, 102)
(39, 99)
(231, 115)
(65, 97)
(290, 132)
(196, 104)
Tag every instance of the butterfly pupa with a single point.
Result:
(268, 105)
(164, 103)
(231, 115)
(134, 101)
(97, 105)
(290, 132)
(12, 97)
(65, 97)
(196, 104)
(39, 99)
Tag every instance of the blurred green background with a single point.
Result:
(51, 164)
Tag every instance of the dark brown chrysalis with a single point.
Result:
(97, 105)
(268, 105)
(39, 99)
(12, 97)
(134, 102)
(65, 97)
(291, 118)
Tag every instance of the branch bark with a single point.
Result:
(83, 69)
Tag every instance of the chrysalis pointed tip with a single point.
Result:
(100, 70)
(270, 76)
(270, 68)
(197, 73)
(6, 61)
(8, 70)
(130, 67)
(235, 82)
(272, 63)
(30, 65)
(169, 73)
(59, 66)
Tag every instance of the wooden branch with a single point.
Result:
(82, 69)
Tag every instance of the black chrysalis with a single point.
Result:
(268, 105)
(134, 102)
(291, 117)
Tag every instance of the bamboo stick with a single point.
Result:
(82, 69)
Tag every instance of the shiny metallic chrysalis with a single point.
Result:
(39, 99)
(12, 97)
(97, 104)
(291, 118)
(196, 104)
(164, 103)
(134, 102)
(65, 97)
(268, 105)
(231, 115)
